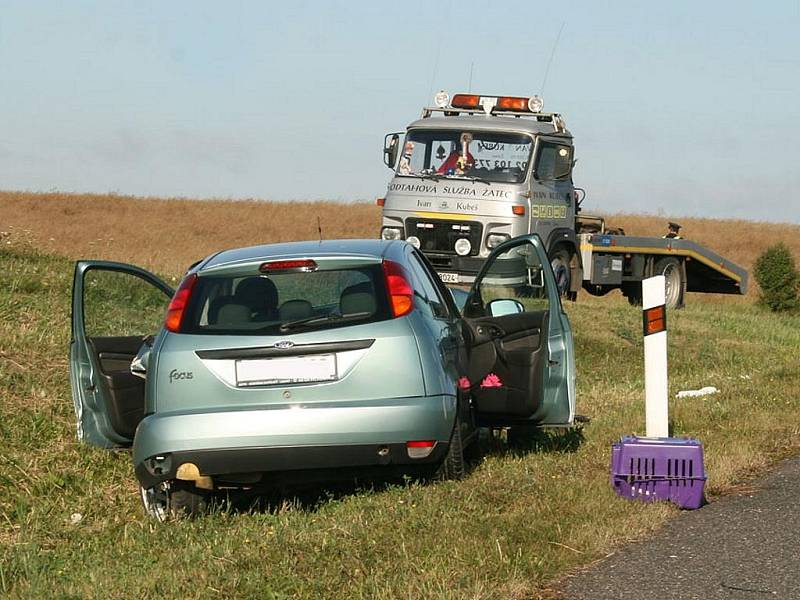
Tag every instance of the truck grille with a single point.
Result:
(440, 236)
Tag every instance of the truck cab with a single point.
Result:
(475, 171)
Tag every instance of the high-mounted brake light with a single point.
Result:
(401, 294)
(303, 265)
(177, 306)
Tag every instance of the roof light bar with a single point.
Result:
(532, 104)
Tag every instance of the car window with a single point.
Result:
(268, 304)
(514, 282)
(434, 288)
(121, 304)
(553, 161)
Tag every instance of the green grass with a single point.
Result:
(519, 521)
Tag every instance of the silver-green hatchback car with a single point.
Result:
(313, 360)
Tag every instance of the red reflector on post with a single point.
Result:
(177, 306)
(380, 201)
(518, 209)
(655, 319)
(401, 294)
(465, 101)
(305, 265)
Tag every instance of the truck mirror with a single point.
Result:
(390, 145)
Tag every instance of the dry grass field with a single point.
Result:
(169, 234)
(70, 521)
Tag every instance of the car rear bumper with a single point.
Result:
(337, 435)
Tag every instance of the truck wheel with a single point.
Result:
(453, 466)
(672, 271)
(560, 263)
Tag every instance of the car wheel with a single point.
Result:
(156, 501)
(187, 502)
(162, 502)
(560, 263)
(453, 466)
(671, 269)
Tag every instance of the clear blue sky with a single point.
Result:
(681, 108)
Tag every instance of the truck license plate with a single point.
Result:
(449, 277)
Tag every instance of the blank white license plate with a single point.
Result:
(290, 369)
(449, 277)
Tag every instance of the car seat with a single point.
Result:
(260, 295)
(358, 298)
(291, 310)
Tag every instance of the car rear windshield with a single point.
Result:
(286, 302)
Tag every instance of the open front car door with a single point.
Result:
(116, 311)
(521, 366)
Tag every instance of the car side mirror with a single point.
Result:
(503, 306)
(390, 144)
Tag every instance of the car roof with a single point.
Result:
(375, 248)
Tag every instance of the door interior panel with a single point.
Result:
(125, 392)
(511, 347)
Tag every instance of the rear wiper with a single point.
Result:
(481, 179)
(323, 319)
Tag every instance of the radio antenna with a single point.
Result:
(319, 229)
(471, 67)
(550, 60)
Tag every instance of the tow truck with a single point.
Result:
(476, 170)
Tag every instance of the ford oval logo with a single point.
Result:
(284, 344)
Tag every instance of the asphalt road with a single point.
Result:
(745, 546)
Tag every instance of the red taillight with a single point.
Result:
(465, 101)
(401, 294)
(305, 265)
(177, 305)
(420, 448)
(380, 201)
(518, 209)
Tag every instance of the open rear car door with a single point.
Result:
(115, 307)
(521, 359)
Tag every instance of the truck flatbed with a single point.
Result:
(705, 270)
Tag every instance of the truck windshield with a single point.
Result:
(491, 156)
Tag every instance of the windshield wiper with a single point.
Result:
(323, 319)
(434, 176)
(481, 179)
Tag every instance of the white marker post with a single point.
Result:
(654, 313)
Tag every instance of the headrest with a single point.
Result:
(233, 314)
(258, 293)
(357, 298)
(295, 309)
(356, 302)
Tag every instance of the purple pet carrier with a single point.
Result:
(659, 469)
